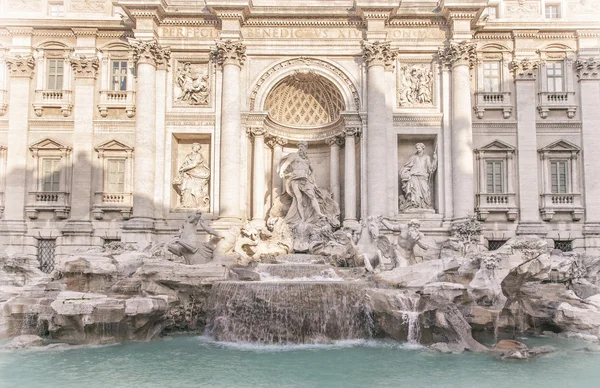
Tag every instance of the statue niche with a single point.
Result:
(192, 181)
(304, 206)
(416, 180)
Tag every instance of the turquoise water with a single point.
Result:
(189, 361)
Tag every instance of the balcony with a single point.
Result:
(492, 101)
(56, 201)
(3, 102)
(497, 203)
(112, 202)
(561, 203)
(61, 99)
(117, 99)
(557, 101)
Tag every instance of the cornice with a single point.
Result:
(114, 126)
(304, 22)
(493, 36)
(558, 125)
(420, 22)
(54, 125)
(189, 21)
(421, 120)
(55, 33)
(20, 30)
(115, 34)
(85, 31)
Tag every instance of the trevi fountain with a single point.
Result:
(303, 301)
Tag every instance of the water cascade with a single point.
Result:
(288, 311)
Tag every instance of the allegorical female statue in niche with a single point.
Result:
(415, 176)
(193, 178)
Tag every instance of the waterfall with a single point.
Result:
(287, 312)
(407, 305)
(298, 272)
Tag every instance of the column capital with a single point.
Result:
(378, 53)
(351, 132)
(335, 141)
(229, 52)
(525, 69)
(20, 66)
(150, 52)
(273, 141)
(587, 68)
(255, 131)
(458, 53)
(85, 67)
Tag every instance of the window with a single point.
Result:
(563, 245)
(555, 76)
(495, 244)
(119, 75)
(56, 9)
(495, 176)
(51, 174)
(55, 74)
(552, 11)
(558, 174)
(45, 254)
(492, 12)
(116, 175)
(491, 76)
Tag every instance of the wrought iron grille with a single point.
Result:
(563, 245)
(46, 251)
(495, 244)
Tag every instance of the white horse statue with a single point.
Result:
(371, 247)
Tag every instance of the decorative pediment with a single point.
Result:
(560, 148)
(48, 145)
(560, 145)
(113, 147)
(496, 147)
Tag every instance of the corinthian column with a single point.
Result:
(460, 57)
(334, 166)
(525, 73)
(258, 175)
(20, 71)
(146, 54)
(85, 70)
(377, 55)
(276, 143)
(588, 72)
(231, 56)
(350, 135)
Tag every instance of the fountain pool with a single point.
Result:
(197, 361)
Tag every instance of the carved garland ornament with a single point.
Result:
(309, 62)
(461, 53)
(20, 66)
(229, 53)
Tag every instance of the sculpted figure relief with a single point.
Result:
(409, 237)
(415, 176)
(193, 180)
(186, 244)
(192, 84)
(415, 85)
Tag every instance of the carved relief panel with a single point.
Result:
(191, 172)
(191, 83)
(415, 86)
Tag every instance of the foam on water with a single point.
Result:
(339, 344)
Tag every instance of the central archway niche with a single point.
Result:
(304, 99)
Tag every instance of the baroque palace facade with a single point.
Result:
(120, 117)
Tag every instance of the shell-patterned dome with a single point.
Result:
(304, 99)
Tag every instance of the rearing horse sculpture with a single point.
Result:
(371, 247)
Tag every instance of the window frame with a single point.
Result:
(486, 77)
(501, 172)
(52, 77)
(548, 69)
(555, 5)
(563, 186)
(123, 78)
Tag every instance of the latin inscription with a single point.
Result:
(299, 33)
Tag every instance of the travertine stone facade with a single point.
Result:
(102, 102)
